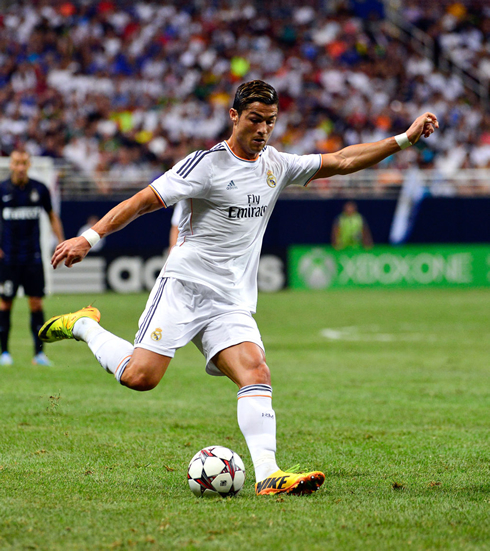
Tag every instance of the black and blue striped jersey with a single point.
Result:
(21, 209)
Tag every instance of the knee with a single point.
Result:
(258, 372)
(35, 304)
(139, 377)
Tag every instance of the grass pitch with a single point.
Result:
(387, 392)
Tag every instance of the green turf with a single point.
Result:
(393, 404)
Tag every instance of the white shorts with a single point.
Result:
(178, 312)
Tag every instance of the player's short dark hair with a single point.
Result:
(19, 149)
(255, 90)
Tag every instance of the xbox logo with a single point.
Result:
(318, 269)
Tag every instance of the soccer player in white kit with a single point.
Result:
(207, 290)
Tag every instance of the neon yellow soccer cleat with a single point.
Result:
(290, 483)
(61, 327)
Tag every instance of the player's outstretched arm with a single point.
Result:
(56, 226)
(357, 157)
(75, 250)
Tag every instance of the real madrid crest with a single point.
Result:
(271, 179)
(34, 196)
(157, 334)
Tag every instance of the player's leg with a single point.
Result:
(31, 277)
(141, 367)
(232, 345)
(10, 284)
(245, 365)
(5, 311)
(145, 369)
(111, 351)
(36, 322)
(138, 369)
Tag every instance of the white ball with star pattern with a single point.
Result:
(216, 471)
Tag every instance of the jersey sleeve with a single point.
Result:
(188, 179)
(301, 169)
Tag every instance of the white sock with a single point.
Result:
(257, 421)
(113, 353)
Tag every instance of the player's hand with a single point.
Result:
(71, 251)
(424, 126)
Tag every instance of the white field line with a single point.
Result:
(369, 334)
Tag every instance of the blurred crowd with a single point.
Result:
(461, 30)
(119, 87)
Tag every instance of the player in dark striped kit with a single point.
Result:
(22, 200)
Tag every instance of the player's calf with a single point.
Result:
(244, 364)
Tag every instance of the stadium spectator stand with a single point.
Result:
(118, 91)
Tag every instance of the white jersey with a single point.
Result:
(227, 202)
(177, 214)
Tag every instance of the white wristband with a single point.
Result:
(403, 141)
(91, 236)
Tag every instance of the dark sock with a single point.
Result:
(37, 321)
(4, 329)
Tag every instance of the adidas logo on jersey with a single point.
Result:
(231, 185)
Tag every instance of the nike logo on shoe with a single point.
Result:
(272, 482)
(290, 483)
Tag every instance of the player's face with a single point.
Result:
(19, 165)
(350, 209)
(252, 129)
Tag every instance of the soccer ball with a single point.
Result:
(216, 471)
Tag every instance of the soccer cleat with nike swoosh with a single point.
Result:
(290, 483)
(61, 327)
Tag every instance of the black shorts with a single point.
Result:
(30, 276)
